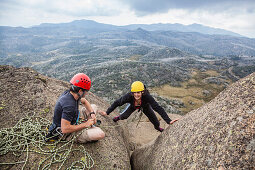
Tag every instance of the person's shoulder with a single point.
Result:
(66, 96)
(129, 94)
(147, 95)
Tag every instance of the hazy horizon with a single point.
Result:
(236, 16)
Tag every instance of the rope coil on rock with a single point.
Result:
(28, 136)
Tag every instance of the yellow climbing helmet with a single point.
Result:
(137, 86)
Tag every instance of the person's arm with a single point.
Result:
(87, 105)
(174, 121)
(155, 106)
(119, 102)
(66, 126)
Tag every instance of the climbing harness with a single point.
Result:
(54, 133)
(140, 116)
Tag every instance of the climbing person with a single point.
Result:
(66, 114)
(139, 98)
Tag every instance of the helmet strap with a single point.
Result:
(74, 89)
(80, 96)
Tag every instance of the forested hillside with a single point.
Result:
(115, 56)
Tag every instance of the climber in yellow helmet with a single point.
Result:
(139, 98)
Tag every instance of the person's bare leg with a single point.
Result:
(95, 133)
(90, 135)
(85, 111)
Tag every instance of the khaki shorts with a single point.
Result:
(82, 134)
(81, 138)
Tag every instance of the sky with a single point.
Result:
(233, 15)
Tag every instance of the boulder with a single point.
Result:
(24, 92)
(220, 134)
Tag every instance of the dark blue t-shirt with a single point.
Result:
(66, 108)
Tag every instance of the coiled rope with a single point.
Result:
(28, 135)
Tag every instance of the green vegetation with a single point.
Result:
(194, 92)
(41, 79)
(242, 71)
(114, 58)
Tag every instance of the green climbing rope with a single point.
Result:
(28, 135)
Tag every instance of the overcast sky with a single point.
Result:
(233, 15)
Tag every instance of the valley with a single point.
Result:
(182, 70)
(195, 92)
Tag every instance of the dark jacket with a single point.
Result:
(146, 99)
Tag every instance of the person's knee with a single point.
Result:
(95, 134)
(101, 135)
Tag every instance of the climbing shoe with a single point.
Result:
(160, 129)
(115, 119)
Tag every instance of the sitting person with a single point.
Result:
(66, 114)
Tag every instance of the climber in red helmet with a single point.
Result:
(66, 113)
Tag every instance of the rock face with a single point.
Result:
(25, 92)
(220, 134)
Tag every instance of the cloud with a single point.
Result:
(83, 8)
(234, 15)
(147, 7)
(64, 7)
(25, 12)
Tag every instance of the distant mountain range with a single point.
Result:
(194, 39)
(115, 56)
(183, 28)
(95, 26)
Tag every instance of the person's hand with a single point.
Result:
(173, 121)
(93, 116)
(90, 122)
(82, 100)
(102, 113)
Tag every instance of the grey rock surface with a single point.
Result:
(26, 92)
(220, 134)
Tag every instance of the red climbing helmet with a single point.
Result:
(81, 80)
